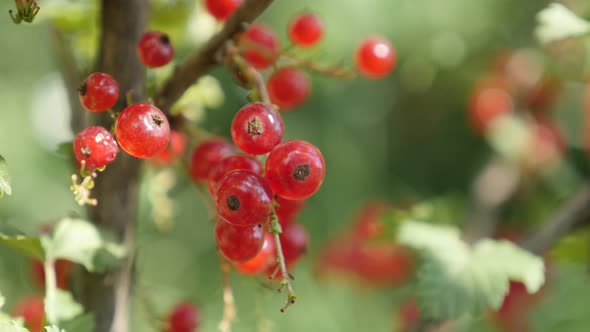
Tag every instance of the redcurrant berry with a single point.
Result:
(375, 57)
(207, 154)
(305, 29)
(63, 272)
(295, 169)
(257, 128)
(99, 92)
(154, 49)
(288, 87)
(262, 260)
(288, 209)
(488, 105)
(175, 150)
(143, 130)
(243, 198)
(229, 164)
(294, 242)
(32, 310)
(237, 243)
(260, 45)
(222, 9)
(95, 146)
(184, 317)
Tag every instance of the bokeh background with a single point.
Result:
(402, 138)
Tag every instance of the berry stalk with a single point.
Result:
(276, 230)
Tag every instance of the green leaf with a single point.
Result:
(10, 324)
(27, 245)
(4, 178)
(53, 328)
(457, 279)
(557, 22)
(82, 323)
(80, 241)
(62, 306)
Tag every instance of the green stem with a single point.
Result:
(276, 229)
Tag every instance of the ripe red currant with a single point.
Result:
(487, 105)
(262, 260)
(184, 317)
(375, 57)
(95, 146)
(295, 169)
(238, 243)
(294, 241)
(305, 29)
(154, 49)
(257, 128)
(63, 272)
(174, 151)
(229, 164)
(99, 92)
(142, 130)
(243, 198)
(207, 154)
(288, 209)
(288, 87)
(260, 46)
(222, 9)
(32, 310)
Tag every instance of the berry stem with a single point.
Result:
(335, 71)
(229, 306)
(50, 289)
(252, 77)
(276, 229)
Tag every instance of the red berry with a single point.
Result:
(295, 169)
(367, 223)
(408, 314)
(305, 29)
(257, 128)
(222, 9)
(375, 57)
(238, 243)
(63, 272)
(184, 317)
(154, 49)
(229, 164)
(288, 87)
(294, 242)
(99, 92)
(487, 105)
(95, 146)
(260, 45)
(263, 259)
(243, 198)
(207, 154)
(143, 130)
(288, 209)
(32, 310)
(383, 264)
(174, 151)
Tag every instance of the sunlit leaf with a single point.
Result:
(557, 22)
(4, 178)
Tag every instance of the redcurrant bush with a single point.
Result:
(207, 154)
(288, 87)
(305, 29)
(142, 130)
(95, 146)
(257, 128)
(229, 164)
(375, 57)
(99, 92)
(184, 317)
(238, 243)
(32, 310)
(295, 169)
(260, 45)
(243, 198)
(222, 9)
(155, 49)
(263, 259)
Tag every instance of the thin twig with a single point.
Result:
(276, 229)
(229, 306)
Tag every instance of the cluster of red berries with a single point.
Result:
(247, 194)
(518, 85)
(358, 253)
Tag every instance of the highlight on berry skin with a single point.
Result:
(155, 49)
(375, 57)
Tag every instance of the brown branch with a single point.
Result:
(574, 213)
(207, 56)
